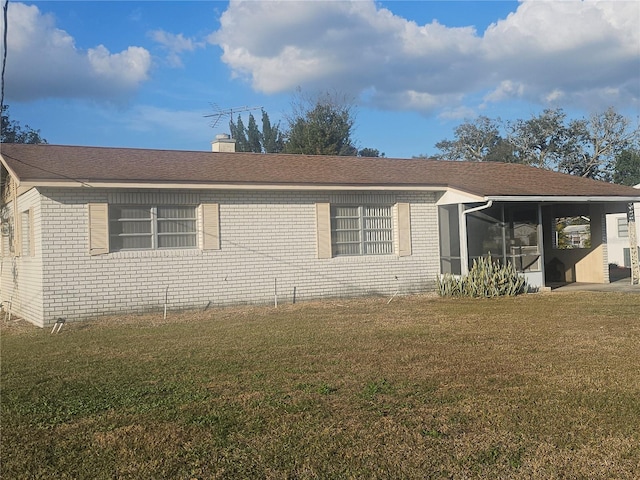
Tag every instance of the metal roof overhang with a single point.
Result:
(611, 204)
(563, 198)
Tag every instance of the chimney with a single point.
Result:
(223, 143)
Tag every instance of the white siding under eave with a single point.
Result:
(21, 276)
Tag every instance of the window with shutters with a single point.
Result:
(138, 227)
(361, 230)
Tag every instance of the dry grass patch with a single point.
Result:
(538, 386)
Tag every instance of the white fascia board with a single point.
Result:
(10, 170)
(79, 183)
(562, 199)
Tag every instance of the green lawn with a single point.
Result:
(537, 386)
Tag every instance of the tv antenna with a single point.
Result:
(220, 113)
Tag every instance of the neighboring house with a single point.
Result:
(88, 231)
(578, 236)
(618, 236)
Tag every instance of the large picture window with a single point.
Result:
(152, 227)
(361, 230)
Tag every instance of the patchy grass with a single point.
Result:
(537, 386)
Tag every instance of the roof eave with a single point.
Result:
(80, 183)
(563, 198)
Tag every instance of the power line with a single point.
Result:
(5, 9)
(84, 184)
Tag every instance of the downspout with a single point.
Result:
(543, 269)
(464, 253)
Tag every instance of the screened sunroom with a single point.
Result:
(508, 233)
(548, 242)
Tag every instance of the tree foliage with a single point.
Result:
(254, 137)
(317, 125)
(251, 139)
(539, 141)
(239, 134)
(370, 153)
(627, 167)
(474, 140)
(321, 125)
(587, 147)
(596, 142)
(272, 137)
(12, 132)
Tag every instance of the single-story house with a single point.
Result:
(88, 231)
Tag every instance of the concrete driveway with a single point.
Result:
(623, 285)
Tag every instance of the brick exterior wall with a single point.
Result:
(21, 275)
(265, 236)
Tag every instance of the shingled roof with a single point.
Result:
(66, 165)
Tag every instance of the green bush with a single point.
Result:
(485, 279)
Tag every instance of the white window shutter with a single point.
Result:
(323, 230)
(404, 229)
(211, 226)
(98, 228)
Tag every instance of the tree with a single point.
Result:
(321, 126)
(370, 152)
(251, 139)
(584, 147)
(541, 141)
(595, 144)
(272, 139)
(474, 140)
(254, 137)
(503, 151)
(627, 167)
(239, 133)
(12, 132)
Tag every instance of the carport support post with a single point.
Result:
(633, 245)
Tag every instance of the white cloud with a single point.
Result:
(458, 113)
(506, 90)
(145, 118)
(577, 51)
(43, 61)
(174, 45)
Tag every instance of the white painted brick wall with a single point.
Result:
(263, 236)
(21, 276)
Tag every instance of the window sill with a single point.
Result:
(365, 258)
(178, 252)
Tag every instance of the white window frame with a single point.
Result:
(623, 228)
(368, 241)
(154, 233)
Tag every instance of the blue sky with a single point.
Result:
(145, 74)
